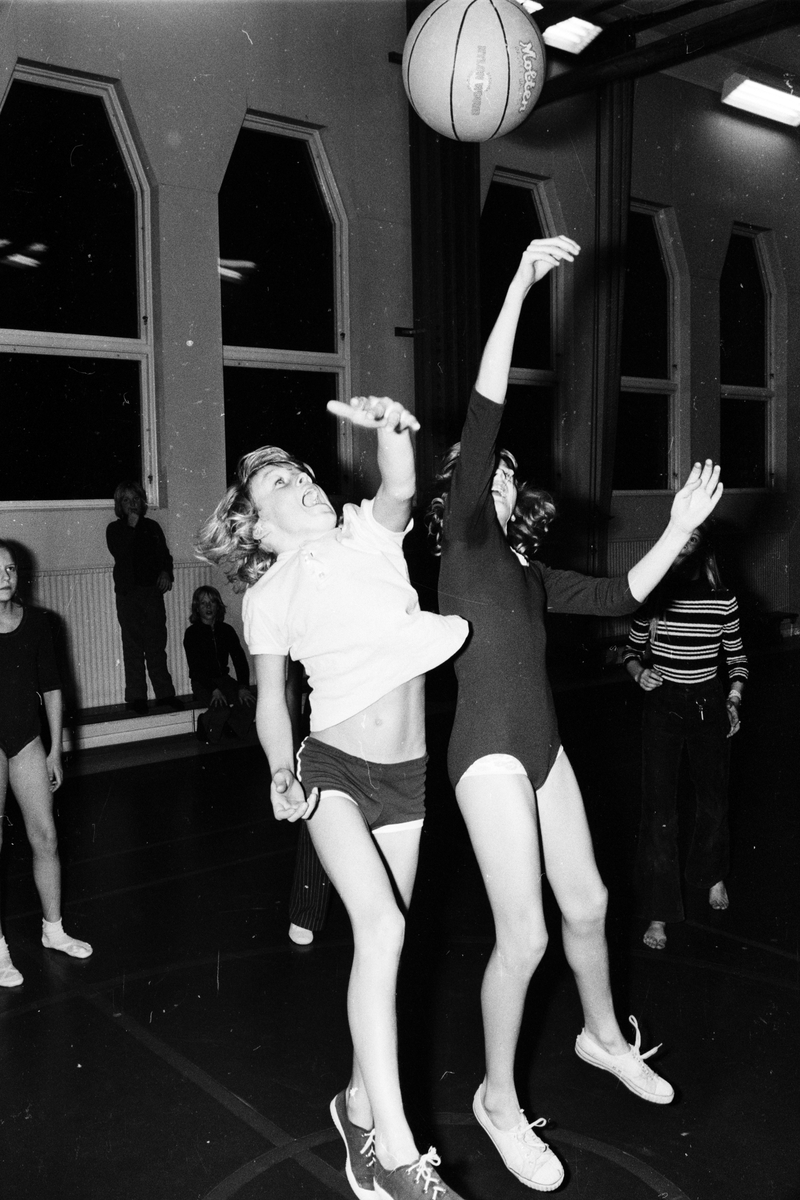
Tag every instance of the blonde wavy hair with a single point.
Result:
(532, 516)
(227, 539)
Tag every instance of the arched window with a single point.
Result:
(745, 365)
(283, 246)
(514, 213)
(76, 370)
(645, 456)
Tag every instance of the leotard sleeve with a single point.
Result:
(470, 508)
(571, 592)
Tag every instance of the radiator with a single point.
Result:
(760, 572)
(89, 643)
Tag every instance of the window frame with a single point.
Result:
(141, 349)
(677, 384)
(775, 367)
(338, 362)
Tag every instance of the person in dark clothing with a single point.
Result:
(210, 644)
(142, 574)
(673, 653)
(513, 782)
(28, 670)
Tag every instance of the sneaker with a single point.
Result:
(413, 1182)
(9, 975)
(359, 1146)
(630, 1068)
(525, 1154)
(301, 936)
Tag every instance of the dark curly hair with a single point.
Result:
(530, 521)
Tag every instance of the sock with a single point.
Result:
(54, 938)
(9, 975)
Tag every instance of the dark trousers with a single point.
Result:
(143, 624)
(311, 889)
(677, 719)
(231, 715)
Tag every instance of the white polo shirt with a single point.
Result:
(343, 606)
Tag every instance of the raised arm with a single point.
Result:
(393, 425)
(274, 728)
(692, 505)
(539, 258)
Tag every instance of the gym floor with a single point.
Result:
(195, 1054)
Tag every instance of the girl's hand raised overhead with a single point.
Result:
(698, 497)
(375, 412)
(542, 254)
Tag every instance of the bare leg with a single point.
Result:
(399, 849)
(500, 814)
(354, 865)
(582, 898)
(29, 779)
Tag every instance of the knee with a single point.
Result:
(521, 948)
(44, 841)
(588, 910)
(380, 932)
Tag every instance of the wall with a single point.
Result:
(188, 73)
(713, 167)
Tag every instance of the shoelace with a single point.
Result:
(635, 1049)
(368, 1148)
(424, 1172)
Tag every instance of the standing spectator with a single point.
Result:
(673, 654)
(27, 670)
(209, 644)
(142, 574)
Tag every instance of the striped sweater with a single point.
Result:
(685, 641)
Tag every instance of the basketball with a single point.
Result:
(473, 69)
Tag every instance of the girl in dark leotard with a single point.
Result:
(27, 669)
(513, 783)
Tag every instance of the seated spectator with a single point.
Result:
(209, 644)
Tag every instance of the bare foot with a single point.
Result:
(655, 935)
(718, 896)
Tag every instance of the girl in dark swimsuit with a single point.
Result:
(28, 667)
(513, 783)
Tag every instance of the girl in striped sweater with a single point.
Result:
(673, 654)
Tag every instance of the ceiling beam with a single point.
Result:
(764, 17)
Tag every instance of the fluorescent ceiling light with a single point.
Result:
(776, 105)
(573, 35)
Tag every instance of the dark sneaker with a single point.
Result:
(359, 1145)
(415, 1182)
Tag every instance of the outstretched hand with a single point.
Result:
(698, 497)
(375, 412)
(542, 254)
(289, 802)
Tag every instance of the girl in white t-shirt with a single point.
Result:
(337, 598)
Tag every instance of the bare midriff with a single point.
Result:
(389, 731)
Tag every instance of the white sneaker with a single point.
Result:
(9, 975)
(525, 1154)
(301, 936)
(630, 1068)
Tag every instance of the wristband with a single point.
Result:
(734, 698)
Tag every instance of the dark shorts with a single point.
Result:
(387, 794)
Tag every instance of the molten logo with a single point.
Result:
(528, 55)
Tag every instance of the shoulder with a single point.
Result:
(360, 527)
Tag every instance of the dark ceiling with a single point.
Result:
(702, 41)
